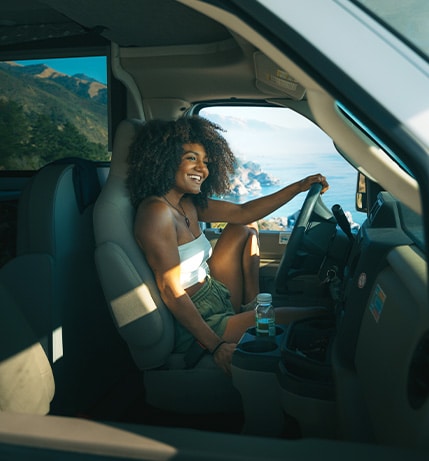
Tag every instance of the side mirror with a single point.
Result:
(361, 202)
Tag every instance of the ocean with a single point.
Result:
(340, 175)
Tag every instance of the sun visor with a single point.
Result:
(271, 79)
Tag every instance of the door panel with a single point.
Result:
(393, 350)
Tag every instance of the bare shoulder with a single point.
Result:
(148, 203)
(150, 208)
(156, 234)
(153, 218)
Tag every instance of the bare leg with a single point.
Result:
(235, 262)
(239, 323)
(251, 263)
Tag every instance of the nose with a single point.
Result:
(201, 165)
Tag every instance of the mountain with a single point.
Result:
(77, 99)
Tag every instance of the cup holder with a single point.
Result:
(279, 331)
(258, 346)
(259, 353)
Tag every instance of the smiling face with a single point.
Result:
(193, 169)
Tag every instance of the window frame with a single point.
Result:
(68, 53)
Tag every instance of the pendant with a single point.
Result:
(187, 221)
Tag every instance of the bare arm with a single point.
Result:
(156, 234)
(219, 210)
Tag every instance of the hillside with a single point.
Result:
(77, 99)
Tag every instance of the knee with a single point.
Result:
(250, 238)
(253, 228)
(244, 231)
(252, 231)
(253, 239)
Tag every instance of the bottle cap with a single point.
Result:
(264, 298)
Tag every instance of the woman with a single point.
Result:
(174, 169)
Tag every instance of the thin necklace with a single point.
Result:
(177, 209)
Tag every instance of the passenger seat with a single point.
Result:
(70, 319)
(26, 379)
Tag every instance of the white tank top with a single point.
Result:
(193, 261)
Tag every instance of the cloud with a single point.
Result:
(268, 131)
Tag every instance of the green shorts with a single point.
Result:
(213, 301)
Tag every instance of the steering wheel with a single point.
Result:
(296, 237)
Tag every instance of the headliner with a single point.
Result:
(129, 23)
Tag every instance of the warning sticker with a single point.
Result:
(377, 303)
(283, 238)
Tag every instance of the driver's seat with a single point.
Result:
(138, 311)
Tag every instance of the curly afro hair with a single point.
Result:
(156, 153)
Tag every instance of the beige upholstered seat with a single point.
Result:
(26, 379)
(55, 245)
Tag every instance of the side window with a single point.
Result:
(51, 109)
(275, 147)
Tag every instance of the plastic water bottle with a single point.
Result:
(265, 316)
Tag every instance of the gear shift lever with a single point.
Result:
(342, 221)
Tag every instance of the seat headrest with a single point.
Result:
(85, 180)
(124, 136)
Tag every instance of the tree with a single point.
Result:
(14, 132)
(31, 140)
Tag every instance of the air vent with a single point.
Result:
(384, 212)
(418, 378)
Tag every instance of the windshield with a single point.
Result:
(276, 146)
(407, 19)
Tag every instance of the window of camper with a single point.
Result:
(52, 108)
(276, 146)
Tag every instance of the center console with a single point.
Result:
(254, 373)
(287, 376)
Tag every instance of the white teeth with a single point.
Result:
(194, 176)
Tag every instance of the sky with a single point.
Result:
(94, 66)
(302, 135)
